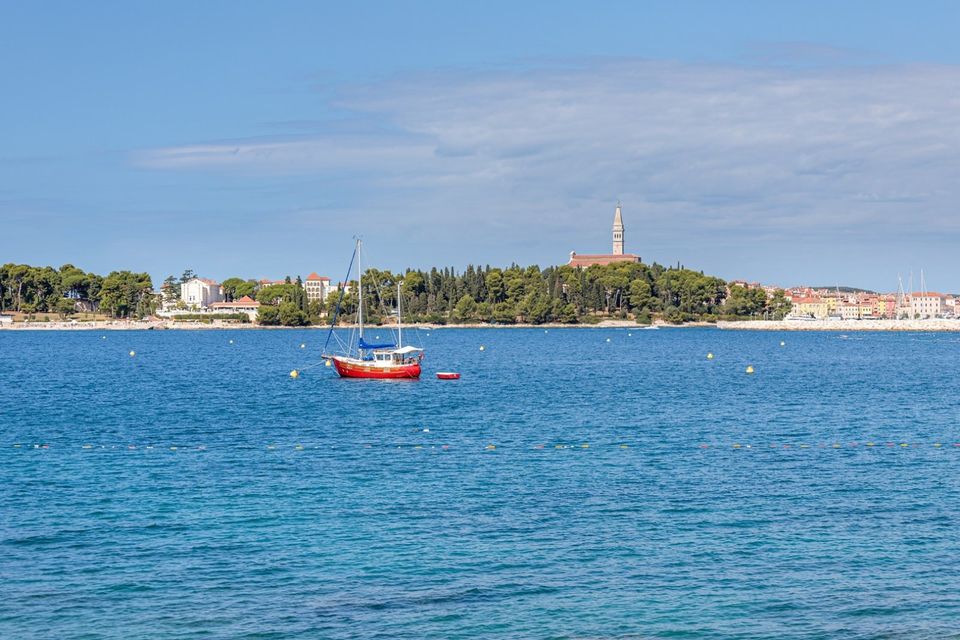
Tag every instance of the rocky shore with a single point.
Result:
(930, 324)
(132, 325)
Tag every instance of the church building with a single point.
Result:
(588, 259)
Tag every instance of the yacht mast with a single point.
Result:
(901, 311)
(399, 318)
(360, 293)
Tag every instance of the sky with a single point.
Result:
(784, 142)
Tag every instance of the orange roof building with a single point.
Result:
(590, 259)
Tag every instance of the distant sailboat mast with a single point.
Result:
(901, 299)
(399, 318)
(360, 293)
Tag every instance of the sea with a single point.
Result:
(583, 483)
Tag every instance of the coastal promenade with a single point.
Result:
(928, 324)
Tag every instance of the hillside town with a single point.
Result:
(808, 303)
(588, 289)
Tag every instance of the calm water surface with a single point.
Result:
(633, 489)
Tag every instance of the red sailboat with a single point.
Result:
(382, 361)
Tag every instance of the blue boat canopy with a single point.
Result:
(367, 345)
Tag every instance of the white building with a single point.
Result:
(927, 305)
(200, 293)
(317, 287)
(246, 305)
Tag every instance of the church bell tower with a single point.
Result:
(617, 232)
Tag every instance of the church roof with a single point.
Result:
(588, 259)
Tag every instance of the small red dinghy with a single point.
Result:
(447, 375)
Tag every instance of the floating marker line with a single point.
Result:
(888, 445)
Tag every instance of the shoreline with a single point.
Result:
(163, 325)
(928, 325)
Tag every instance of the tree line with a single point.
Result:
(69, 289)
(515, 294)
(561, 294)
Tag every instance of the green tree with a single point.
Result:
(268, 315)
(66, 307)
(291, 315)
(126, 294)
(170, 288)
(778, 306)
(230, 286)
(465, 310)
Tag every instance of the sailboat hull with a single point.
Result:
(352, 368)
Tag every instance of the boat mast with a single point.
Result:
(399, 319)
(360, 293)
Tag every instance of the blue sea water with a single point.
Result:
(577, 483)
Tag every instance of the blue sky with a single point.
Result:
(812, 142)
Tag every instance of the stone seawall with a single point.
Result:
(932, 324)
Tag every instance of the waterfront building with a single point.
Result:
(317, 287)
(810, 306)
(927, 304)
(246, 305)
(587, 260)
(200, 293)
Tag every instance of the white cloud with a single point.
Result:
(761, 150)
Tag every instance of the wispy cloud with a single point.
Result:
(756, 149)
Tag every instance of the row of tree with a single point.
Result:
(64, 291)
(521, 295)
(560, 294)
(478, 294)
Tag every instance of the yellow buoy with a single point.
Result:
(303, 346)
(709, 356)
(491, 447)
(294, 374)
(750, 369)
(326, 363)
(133, 353)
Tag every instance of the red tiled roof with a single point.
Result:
(314, 276)
(208, 281)
(588, 259)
